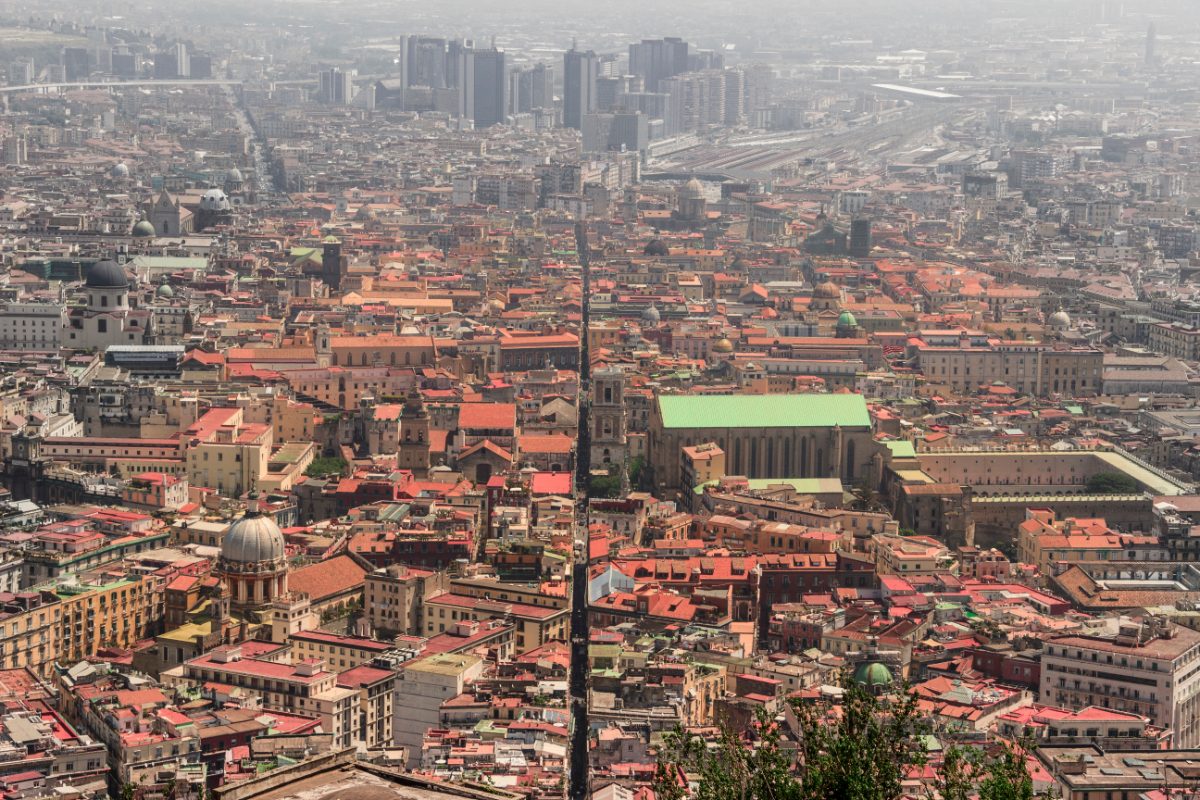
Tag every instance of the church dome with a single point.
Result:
(165, 290)
(693, 189)
(234, 176)
(872, 674)
(144, 228)
(847, 320)
(651, 315)
(214, 200)
(253, 539)
(722, 345)
(1060, 320)
(119, 170)
(656, 247)
(107, 275)
(827, 290)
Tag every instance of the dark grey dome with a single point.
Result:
(107, 275)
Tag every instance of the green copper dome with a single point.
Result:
(847, 320)
(143, 228)
(871, 674)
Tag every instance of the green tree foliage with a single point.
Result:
(1112, 483)
(862, 749)
(865, 751)
(635, 470)
(735, 769)
(605, 486)
(326, 466)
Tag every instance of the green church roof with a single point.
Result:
(847, 320)
(764, 411)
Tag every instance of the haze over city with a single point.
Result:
(600, 401)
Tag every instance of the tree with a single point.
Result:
(1008, 775)
(1112, 483)
(859, 750)
(325, 466)
(635, 470)
(865, 753)
(968, 772)
(865, 497)
(736, 768)
(605, 486)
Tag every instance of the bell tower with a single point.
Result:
(608, 417)
(413, 451)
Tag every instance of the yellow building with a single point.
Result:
(115, 614)
(702, 463)
(29, 638)
(227, 454)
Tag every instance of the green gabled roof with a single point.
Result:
(764, 411)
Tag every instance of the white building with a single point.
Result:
(421, 688)
(32, 326)
(1146, 666)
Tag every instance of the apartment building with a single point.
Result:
(1146, 666)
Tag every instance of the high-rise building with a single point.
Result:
(183, 66)
(580, 70)
(20, 72)
(1151, 41)
(15, 150)
(76, 65)
(426, 62)
(609, 89)
(336, 86)
(531, 88)
(200, 66)
(165, 65)
(860, 237)
(618, 130)
(124, 64)
(483, 86)
(658, 59)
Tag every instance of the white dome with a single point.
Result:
(1060, 319)
(119, 170)
(252, 539)
(214, 200)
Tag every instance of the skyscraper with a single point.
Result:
(337, 86)
(426, 62)
(76, 64)
(1151, 36)
(482, 86)
(183, 65)
(658, 59)
(580, 70)
(530, 88)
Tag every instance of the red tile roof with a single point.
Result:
(487, 415)
(326, 578)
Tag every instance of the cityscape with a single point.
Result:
(543, 401)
